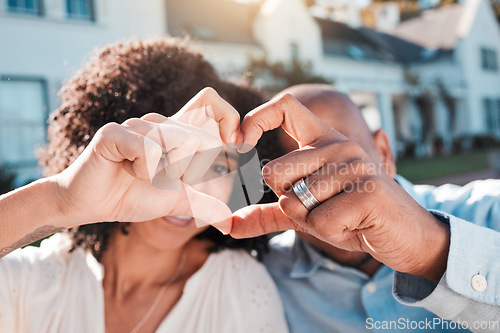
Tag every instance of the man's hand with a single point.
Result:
(362, 208)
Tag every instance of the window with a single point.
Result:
(355, 52)
(33, 7)
(428, 54)
(492, 114)
(498, 112)
(489, 60)
(23, 115)
(80, 9)
(489, 113)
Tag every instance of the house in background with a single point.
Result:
(42, 43)
(427, 81)
(222, 29)
(433, 78)
(469, 33)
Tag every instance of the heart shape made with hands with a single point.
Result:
(209, 112)
(362, 207)
(200, 156)
(112, 179)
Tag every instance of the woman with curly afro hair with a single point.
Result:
(165, 274)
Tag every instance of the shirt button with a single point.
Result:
(371, 287)
(330, 265)
(479, 283)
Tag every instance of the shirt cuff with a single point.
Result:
(473, 251)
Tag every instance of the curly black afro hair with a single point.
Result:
(130, 79)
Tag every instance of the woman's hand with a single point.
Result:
(140, 170)
(133, 172)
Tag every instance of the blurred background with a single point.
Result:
(425, 71)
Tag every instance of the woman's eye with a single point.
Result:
(220, 170)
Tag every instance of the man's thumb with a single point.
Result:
(257, 220)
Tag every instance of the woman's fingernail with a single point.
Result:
(244, 148)
(234, 138)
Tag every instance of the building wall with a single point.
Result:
(230, 60)
(50, 47)
(351, 75)
(379, 80)
(40, 51)
(449, 72)
(480, 84)
(282, 26)
(45, 46)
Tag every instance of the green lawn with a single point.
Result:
(429, 168)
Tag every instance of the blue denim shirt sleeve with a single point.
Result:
(474, 249)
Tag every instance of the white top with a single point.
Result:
(47, 289)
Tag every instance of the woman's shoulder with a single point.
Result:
(47, 282)
(50, 261)
(56, 247)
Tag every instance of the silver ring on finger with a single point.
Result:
(305, 196)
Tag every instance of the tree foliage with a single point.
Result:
(494, 3)
(496, 8)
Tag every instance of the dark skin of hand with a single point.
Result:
(361, 210)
